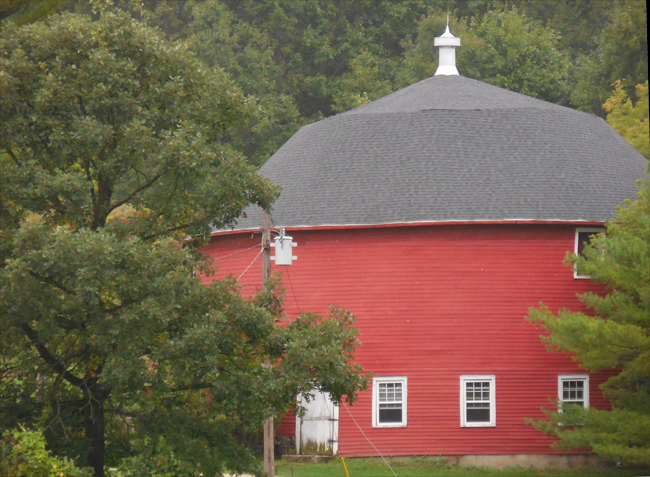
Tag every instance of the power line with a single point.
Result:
(236, 253)
(364, 435)
(249, 265)
(294, 292)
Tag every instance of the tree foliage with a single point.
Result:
(115, 146)
(501, 47)
(23, 454)
(302, 60)
(617, 337)
(621, 54)
(28, 11)
(630, 120)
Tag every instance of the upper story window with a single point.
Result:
(477, 401)
(573, 389)
(389, 401)
(582, 238)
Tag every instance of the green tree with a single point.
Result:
(23, 453)
(302, 59)
(621, 53)
(28, 11)
(630, 120)
(115, 146)
(579, 23)
(617, 337)
(501, 47)
(247, 53)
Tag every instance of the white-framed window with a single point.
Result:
(389, 401)
(477, 401)
(573, 389)
(583, 236)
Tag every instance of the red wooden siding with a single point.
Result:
(287, 425)
(433, 303)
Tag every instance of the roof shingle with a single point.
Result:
(451, 148)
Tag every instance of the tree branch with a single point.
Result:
(93, 198)
(51, 282)
(12, 155)
(172, 229)
(48, 357)
(134, 193)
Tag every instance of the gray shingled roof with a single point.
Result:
(451, 148)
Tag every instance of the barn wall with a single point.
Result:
(433, 303)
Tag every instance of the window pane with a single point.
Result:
(573, 391)
(477, 391)
(395, 405)
(579, 403)
(390, 392)
(390, 415)
(478, 415)
(478, 405)
(583, 239)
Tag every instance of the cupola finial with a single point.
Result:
(448, 44)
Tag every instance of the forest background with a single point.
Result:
(302, 60)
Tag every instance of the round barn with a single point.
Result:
(438, 215)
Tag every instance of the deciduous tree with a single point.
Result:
(630, 120)
(501, 47)
(115, 147)
(24, 454)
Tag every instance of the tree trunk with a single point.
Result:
(93, 414)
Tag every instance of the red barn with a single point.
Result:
(438, 215)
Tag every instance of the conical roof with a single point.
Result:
(450, 148)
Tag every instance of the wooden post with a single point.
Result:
(269, 438)
(266, 246)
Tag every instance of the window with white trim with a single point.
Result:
(389, 401)
(573, 389)
(477, 401)
(582, 238)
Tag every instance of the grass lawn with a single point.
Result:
(428, 466)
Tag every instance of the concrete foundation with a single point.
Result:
(531, 460)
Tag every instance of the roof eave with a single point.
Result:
(580, 222)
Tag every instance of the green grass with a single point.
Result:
(429, 466)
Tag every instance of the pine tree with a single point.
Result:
(617, 337)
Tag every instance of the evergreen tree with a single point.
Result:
(617, 337)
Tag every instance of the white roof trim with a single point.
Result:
(422, 222)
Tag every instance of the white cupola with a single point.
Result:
(448, 44)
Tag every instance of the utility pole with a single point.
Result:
(269, 438)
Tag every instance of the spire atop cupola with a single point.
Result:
(448, 44)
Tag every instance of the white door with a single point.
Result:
(317, 431)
